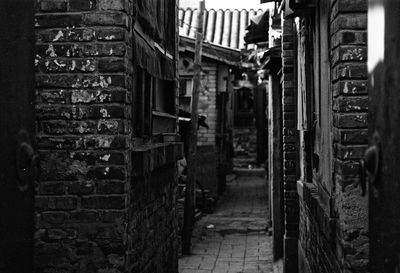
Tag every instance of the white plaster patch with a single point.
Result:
(51, 52)
(105, 157)
(104, 113)
(59, 35)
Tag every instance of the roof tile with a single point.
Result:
(222, 27)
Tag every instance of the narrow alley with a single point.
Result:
(235, 237)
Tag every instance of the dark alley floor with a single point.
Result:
(234, 239)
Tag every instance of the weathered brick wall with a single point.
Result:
(350, 102)
(290, 145)
(152, 236)
(93, 207)
(340, 243)
(208, 104)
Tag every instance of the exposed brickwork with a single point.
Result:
(98, 208)
(350, 106)
(338, 242)
(208, 104)
(290, 146)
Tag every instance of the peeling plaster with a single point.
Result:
(59, 35)
(105, 158)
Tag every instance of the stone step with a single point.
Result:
(249, 172)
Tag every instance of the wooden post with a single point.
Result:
(188, 220)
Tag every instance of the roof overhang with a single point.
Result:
(258, 29)
(272, 60)
(218, 53)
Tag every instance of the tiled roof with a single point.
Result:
(222, 27)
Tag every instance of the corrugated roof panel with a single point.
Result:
(219, 24)
(186, 22)
(222, 27)
(210, 29)
(226, 35)
(193, 26)
(242, 27)
(235, 29)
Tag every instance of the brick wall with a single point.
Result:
(208, 104)
(337, 241)
(350, 100)
(93, 197)
(290, 145)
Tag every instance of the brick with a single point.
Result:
(80, 112)
(54, 218)
(343, 6)
(105, 19)
(111, 4)
(350, 71)
(350, 104)
(53, 5)
(112, 172)
(110, 127)
(111, 65)
(84, 216)
(349, 53)
(61, 127)
(82, 5)
(41, 202)
(97, 96)
(111, 187)
(347, 168)
(72, 66)
(51, 96)
(104, 202)
(64, 35)
(108, 216)
(84, 142)
(349, 152)
(98, 157)
(52, 188)
(111, 34)
(64, 203)
(350, 87)
(350, 37)
(352, 136)
(55, 234)
(80, 81)
(58, 20)
(350, 120)
(354, 21)
(81, 188)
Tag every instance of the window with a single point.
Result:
(315, 103)
(154, 105)
(185, 94)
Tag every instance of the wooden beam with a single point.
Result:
(188, 219)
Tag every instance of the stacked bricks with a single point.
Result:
(90, 205)
(208, 104)
(290, 146)
(350, 107)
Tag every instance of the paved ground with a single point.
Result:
(235, 240)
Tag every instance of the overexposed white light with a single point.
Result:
(224, 4)
(376, 34)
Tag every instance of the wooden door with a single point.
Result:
(383, 156)
(17, 157)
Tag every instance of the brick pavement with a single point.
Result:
(237, 242)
